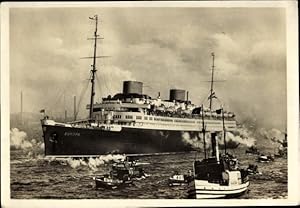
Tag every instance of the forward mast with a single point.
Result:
(94, 70)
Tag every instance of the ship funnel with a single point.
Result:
(176, 94)
(130, 87)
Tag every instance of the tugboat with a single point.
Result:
(219, 175)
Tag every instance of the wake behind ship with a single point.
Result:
(134, 123)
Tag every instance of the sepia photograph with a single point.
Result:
(149, 104)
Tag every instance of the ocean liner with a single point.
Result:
(134, 123)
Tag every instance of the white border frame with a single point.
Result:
(292, 113)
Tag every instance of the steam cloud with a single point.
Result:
(273, 134)
(94, 163)
(20, 141)
(241, 136)
(195, 141)
(17, 139)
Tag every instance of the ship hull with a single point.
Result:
(71, 141)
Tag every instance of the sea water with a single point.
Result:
(36, 177)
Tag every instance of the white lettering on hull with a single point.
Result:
(71, 134)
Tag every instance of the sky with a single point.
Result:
(164, 48)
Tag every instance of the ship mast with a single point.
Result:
(224, 130)
(95, 18)
(212, 81)
(203, 131)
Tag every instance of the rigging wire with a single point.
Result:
(221, 103)
(61, 93)
(105, 83)
(204, 101)
(108, 87)
(83, 92)
(98, 83)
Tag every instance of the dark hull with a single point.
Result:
(67, 141)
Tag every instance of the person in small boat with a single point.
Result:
(141, 173)
(252, 169)
(176, 172)
(189, 176)
(126, 177)
(231, 162)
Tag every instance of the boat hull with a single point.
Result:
(215, 191)
(113, 184)
(72, 141)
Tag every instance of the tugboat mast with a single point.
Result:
(212, 81)
(93, 66)
(224, 130)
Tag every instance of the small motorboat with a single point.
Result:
(282, 153)
(179, 179)
(122, 174)
(253, 170)
(252, 150)
(265, 158)
(128, 169)
(108, 182)
(282, 150)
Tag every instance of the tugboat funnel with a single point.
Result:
(215, 146)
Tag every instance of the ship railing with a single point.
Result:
(195, 116)
(82, 121)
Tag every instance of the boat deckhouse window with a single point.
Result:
(128, 117)
(96, 109)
